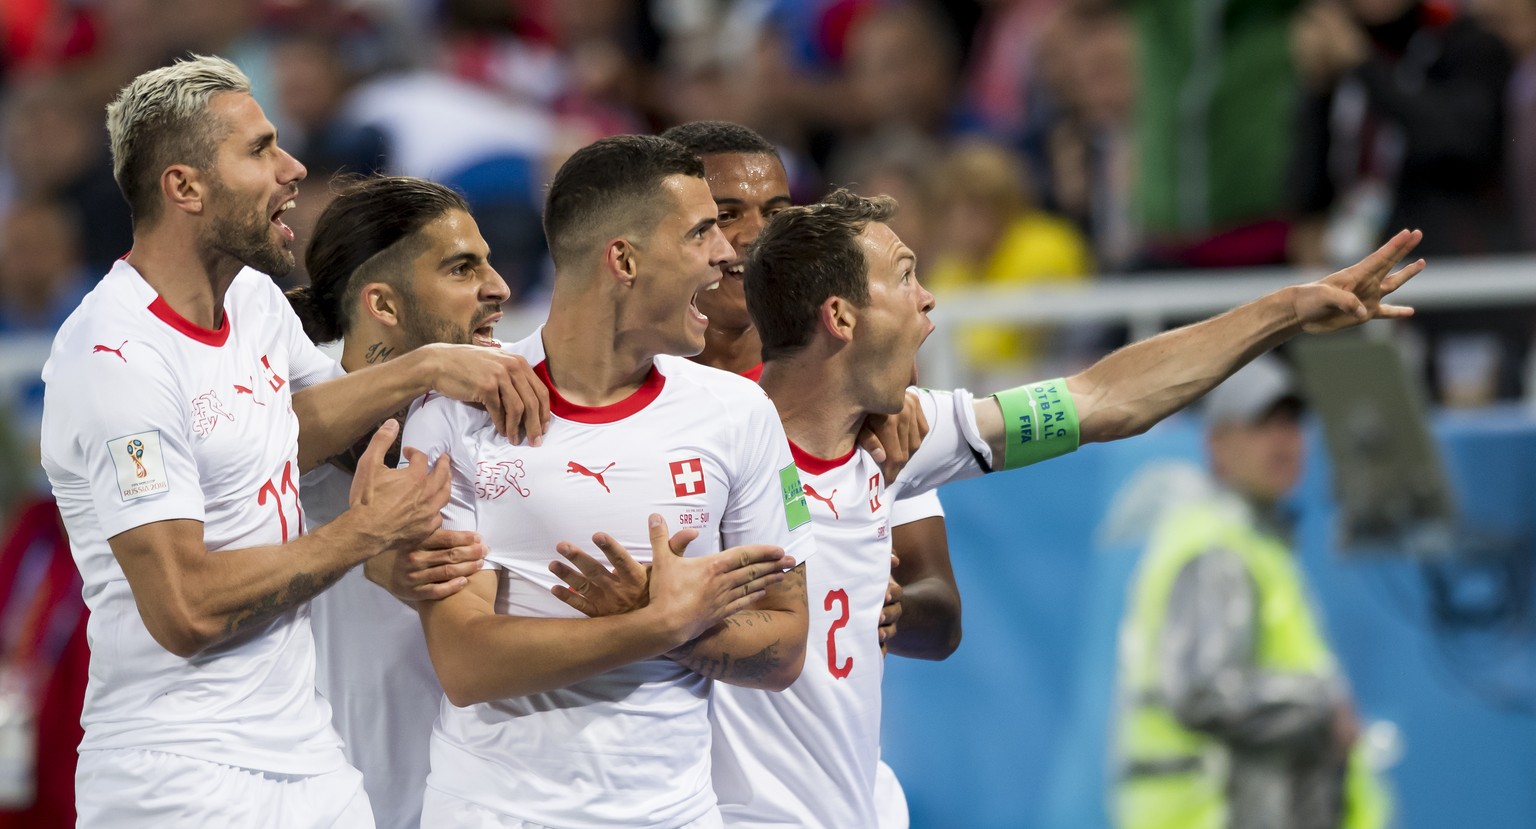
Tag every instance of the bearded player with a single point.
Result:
(835, 297)
(182, 404)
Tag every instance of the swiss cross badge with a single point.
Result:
(688, 477)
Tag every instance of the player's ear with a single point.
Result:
(838, 317)
(182, 187)
(621, 261)
(382, 302)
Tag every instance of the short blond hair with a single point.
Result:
(161, 118)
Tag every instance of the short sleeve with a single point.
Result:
(767, 504)
(307, 364)
(953, 449)
(435, 427)
(917, 508)
(130, 426)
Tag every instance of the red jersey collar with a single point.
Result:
(807, 462)
(649, 390)
(206, 336)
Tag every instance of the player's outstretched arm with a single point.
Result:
(334, 414)
(929, 616)
(192, 599)
(1129, 391)
(481, 655)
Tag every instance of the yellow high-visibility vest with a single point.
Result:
(1178, 777)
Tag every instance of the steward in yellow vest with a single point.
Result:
(1233, 714)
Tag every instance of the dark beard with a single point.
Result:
(248, 240)
(420, 329)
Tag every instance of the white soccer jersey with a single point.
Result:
(912, 508)
(373, 668)
(807, 756)
(148, 418)
(700, 446)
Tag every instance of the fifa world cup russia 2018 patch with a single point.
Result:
(797, 513)
(139, 464)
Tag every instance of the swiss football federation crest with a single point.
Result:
(492, 480)
(206, 411)
(688, 477)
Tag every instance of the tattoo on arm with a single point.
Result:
(378, 353)
(726, 667)
(301, 588)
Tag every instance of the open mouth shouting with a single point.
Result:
(693, 302)
(485, 333)
(277, 217)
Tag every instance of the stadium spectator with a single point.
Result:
(1088, 147)
(1213, 130)
(55, 148)
(1234, 713)
(42, 276)
(1403, 126)
(988, 232)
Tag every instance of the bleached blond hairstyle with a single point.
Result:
(161, 118)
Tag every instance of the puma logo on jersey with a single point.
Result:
(239, 390)
(827, 500)
(492, 480)
(573, 467)
(118, 351)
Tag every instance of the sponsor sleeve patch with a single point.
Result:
(796, 512)
(139, 464)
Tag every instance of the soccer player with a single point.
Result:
(835, 298)
(182, 404)
(396, 263)
(562, 721)
(750, 186)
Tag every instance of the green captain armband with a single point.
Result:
(1039, 423)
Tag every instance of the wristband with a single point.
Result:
(1039, 423)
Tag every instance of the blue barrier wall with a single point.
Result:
(1011, 730)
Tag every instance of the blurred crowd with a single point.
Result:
(1027, 140)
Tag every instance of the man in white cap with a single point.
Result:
(1233, 711)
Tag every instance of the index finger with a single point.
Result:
(535, 399)
(383, 438)
(1395, 249)
(493, 407)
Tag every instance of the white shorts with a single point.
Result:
(122, 788)
(890, 799)
(441, 811)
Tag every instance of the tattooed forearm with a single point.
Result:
(301, 588)
(748, 669)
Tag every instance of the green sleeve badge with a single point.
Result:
(796, 512)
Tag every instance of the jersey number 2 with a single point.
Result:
(840, 671)
(277, 500)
